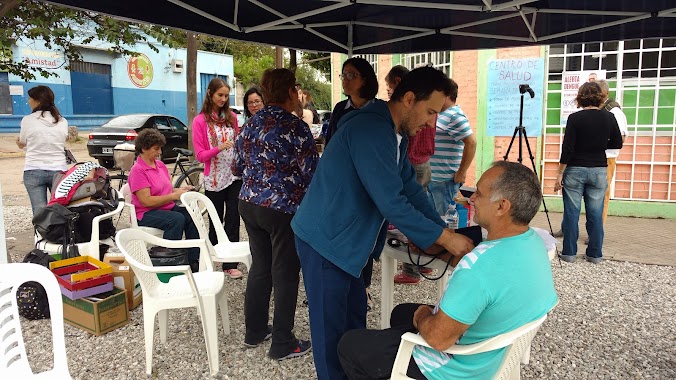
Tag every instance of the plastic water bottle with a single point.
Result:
(451, 217)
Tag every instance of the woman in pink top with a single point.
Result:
(213, 134)
(153, 195)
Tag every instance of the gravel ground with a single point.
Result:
(615, 320)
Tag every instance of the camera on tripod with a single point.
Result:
(524, 87)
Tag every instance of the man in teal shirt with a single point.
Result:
(503, 283)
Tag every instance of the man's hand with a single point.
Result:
(460, 176)
(422, 312)
(434, 249)
(456, 244)
(558, 185)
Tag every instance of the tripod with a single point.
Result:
(521, 130)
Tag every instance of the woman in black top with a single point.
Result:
(582, 170)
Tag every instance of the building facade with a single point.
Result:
(642, 77)
(105, 84)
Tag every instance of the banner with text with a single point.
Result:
(504, 98)
(570, 83)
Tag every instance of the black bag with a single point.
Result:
(83, 224)
(31, 297)
(56, 223)
(162, 256)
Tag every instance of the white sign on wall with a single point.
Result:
(570, 83)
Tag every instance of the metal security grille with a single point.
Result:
(90, 68)
(642, 77)
(441, 60)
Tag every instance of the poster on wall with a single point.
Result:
(570, 83)
(140, 70)
(504, 98)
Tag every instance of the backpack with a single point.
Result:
(87, 179)
(31, 297)
(56, 223)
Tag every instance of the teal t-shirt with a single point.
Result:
(501, 285)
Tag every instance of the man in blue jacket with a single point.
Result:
(363, 179)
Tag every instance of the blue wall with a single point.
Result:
(166, 93)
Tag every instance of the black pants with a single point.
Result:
(225, 202)
(369, 354)
(275, 265)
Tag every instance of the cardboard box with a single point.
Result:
(97, 317)
(123, 277)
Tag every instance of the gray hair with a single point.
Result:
(521, 187)
(605, 88)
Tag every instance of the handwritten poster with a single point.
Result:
(571, 82)
(504, 98)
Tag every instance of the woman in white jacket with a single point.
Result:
(43, 135)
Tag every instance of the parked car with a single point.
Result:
(239, 111)
(125, 128)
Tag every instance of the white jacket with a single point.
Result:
(44, 141)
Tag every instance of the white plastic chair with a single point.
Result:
(517, 342)
(88, 248)
(203, 290)
(225, 251)
(14, 362)
(126, 193)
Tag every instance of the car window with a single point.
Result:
(126, 121)
(162, 124)
(180, 127)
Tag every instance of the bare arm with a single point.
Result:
(559, 178)
(154, 201)
(467, 156)
(439, 330)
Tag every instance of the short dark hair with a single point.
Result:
(147, 139)
(521, 187)
(397, 71)
(275, 85)
(589, 95)
(423, 82)
(370, 87)
(252, 90)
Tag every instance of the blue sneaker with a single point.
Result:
(301, 348)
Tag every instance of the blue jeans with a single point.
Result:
(336, 303)
(590, 184)
(37, 183)
(173, 222)
(442, 194)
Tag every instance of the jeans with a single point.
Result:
(37, 183)
(336, 302)
(590, 184)
(370, 354)
(442, 194)
(174, 223)
(225, 202)
(274, 267)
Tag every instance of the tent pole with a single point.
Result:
(350, 43)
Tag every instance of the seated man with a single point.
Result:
(504, 283)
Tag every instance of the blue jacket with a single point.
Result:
(357, 186)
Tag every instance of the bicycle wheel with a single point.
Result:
(192, 177)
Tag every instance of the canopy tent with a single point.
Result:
(398, 26)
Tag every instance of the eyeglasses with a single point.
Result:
(254, 103)
(348, 76)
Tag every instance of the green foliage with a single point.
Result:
(319, 89)
(320, 61)
(62, 29)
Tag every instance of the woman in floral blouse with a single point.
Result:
(213, 134)
(276, 156)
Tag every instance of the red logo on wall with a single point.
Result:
(140, 70)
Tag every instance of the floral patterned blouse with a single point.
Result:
(275, 155)
(220, 176)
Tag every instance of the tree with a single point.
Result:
(319, 61)
(62, 29)
(321, 91)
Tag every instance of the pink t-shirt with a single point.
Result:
(143, 176)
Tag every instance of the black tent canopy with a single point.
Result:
(398, 26)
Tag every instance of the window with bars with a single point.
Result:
(642, 78)
(441, 60)
(372, 60)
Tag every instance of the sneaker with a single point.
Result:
(267, 337)
(302, 348)
(558, 234)
(426, 270)
(403, 278)
(594, 260)
(233, 273)
(568, 258)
